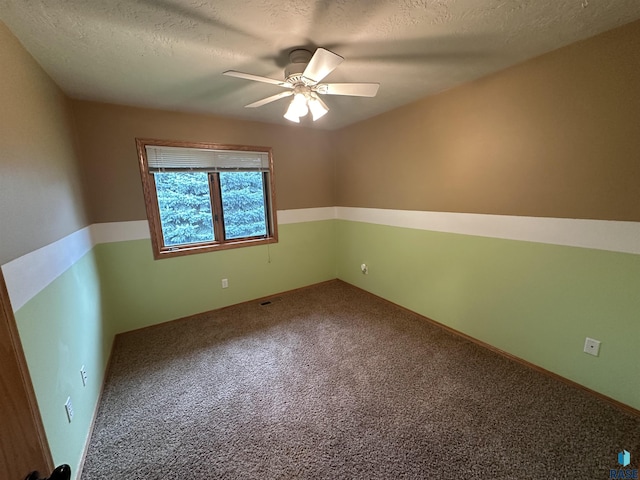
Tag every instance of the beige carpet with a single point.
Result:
(330, 382)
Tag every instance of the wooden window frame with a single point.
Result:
(160, 250)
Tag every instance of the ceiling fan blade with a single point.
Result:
(352, 89)
(270, 99)
(257, 78)
(321, 64)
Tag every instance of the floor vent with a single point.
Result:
(270, 301)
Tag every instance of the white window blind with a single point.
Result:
(162, 159)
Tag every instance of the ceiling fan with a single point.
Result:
(303, 75)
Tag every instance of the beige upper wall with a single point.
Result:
(558, 136)
(303, 166)
(40, 188)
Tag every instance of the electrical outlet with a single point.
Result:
(591, 346)
(68, 407)
(225, 283)
(83, 374)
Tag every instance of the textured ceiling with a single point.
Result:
(170, 54)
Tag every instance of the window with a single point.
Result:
(202, 197)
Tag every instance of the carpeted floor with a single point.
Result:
(330, 382)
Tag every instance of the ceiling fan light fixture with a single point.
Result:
(291, 116)
(299, 104)
(317, 107)
(297, 108)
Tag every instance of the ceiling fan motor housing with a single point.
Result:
(298, 61)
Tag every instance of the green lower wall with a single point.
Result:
(143, 291)
(61, 329)
(533, 300)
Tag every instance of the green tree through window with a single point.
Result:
(185, 207)
(243, 204)
(202, 197)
